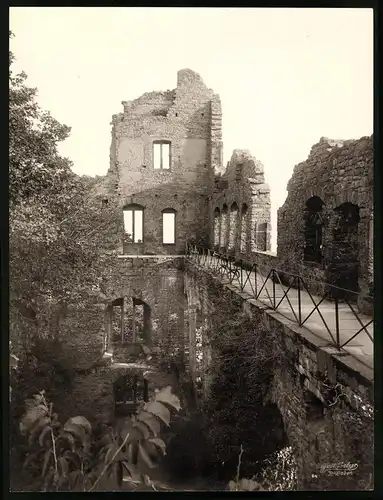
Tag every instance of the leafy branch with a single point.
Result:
(68, 457)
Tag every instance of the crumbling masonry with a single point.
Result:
(167, 177)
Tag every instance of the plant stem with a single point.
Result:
(111, 460)
(53, 445)
(238, 467)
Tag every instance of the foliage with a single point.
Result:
(279, 471)
(34, 163)
(244, 355)
(67, 457)
(62, 243)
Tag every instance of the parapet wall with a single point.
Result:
(340, 174)
(326, 401)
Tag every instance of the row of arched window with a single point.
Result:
(345, 220)
(134, 224)
(231, 226)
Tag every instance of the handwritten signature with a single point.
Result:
(338, 469)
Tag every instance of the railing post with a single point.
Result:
(299, 301)
(337, 322)
(255, 281)
(241, 274)
(273, 280)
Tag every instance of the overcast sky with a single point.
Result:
(286, 77)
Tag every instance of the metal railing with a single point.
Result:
(268, 285)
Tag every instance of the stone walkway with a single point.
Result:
(361, 347)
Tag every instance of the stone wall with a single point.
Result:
(242, 191)
(159, 284)
(189, 117)
(337, 172)
(325, 399)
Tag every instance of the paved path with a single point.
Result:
(361, 347)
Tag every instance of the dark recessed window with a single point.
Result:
(313, 230)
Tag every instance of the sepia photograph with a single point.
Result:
(191, 271)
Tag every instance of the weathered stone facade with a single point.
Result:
(240, 207)
(188, 119)
(340, 175)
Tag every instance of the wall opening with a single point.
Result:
(161, 155)
(217, 227)
(243, 228)
(133, 223)
(129, 321)
(168, 226)
(313, 406)
(129, 391)
(261, 236)
(224, 221)
(343, 269)
(238, 171)
(233, 225)
(313, 230)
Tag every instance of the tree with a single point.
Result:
(61, 241)
(34, 162)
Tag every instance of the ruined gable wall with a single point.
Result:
(190, 118)
(182, 116)
(337, 172)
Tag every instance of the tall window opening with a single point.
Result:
(161, 155)
(261, 236)
(217, 224)
(244, 215)
(233, 225)
(343, 269)
(313, 230)
(169, 226)
(133, 223)
(224, 219)
(238, 171)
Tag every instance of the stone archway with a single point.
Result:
(343, 266)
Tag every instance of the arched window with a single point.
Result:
(233, 225)
(134, 223)
(313, 230)
(224, 219)
(169, 226)
(244, 216)
(217, 224)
